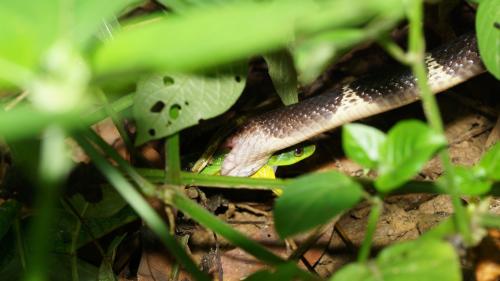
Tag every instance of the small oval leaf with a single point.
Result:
(362, 144)
(312, 200)
(410, 144)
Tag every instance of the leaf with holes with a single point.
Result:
(166, 104)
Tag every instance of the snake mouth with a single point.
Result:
(232, 167)
(246, 155)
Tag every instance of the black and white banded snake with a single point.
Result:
(260, 137)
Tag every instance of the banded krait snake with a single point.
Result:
(256, 141)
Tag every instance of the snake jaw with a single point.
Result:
(232, 167)
(246, 156)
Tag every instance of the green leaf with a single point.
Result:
(423, 259)
(181, 6)
(8, 213)
(98, 227)
(488, 34)
(285, 272)
(166, 104)
(203, 38)
(468, 181)
(490, 221)
(28, 29)
(409, 145)
(91, 14)
(312, 56)
(10, 262)
(284, 76)
(490, 162)
(362, 144)
(110, 204)
(106, 269)
(8, 253)
(312, 200)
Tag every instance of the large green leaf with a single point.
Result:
(409, 145)
(312, 56)
(181, 6)
(362, 144)
(424, 259)
(165, 104)
(284, 76)
(28, 29)
(202, 38)
(312, 200)
(488, 34)
(89, 15)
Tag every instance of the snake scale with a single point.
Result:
(252, 145)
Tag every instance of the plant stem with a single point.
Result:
(74, 242)
(364, 252)
(52, 170)
(416, 54)
(117, 121)
(141, 206)
(20, 243)
(173, 164)
(208, 220)
(178, 200)
(146, 187)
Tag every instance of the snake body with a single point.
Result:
(259, 138)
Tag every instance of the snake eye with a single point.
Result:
(298, 152)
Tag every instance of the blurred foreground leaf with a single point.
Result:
(468, 181)
(202, 38)
(423, 259)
